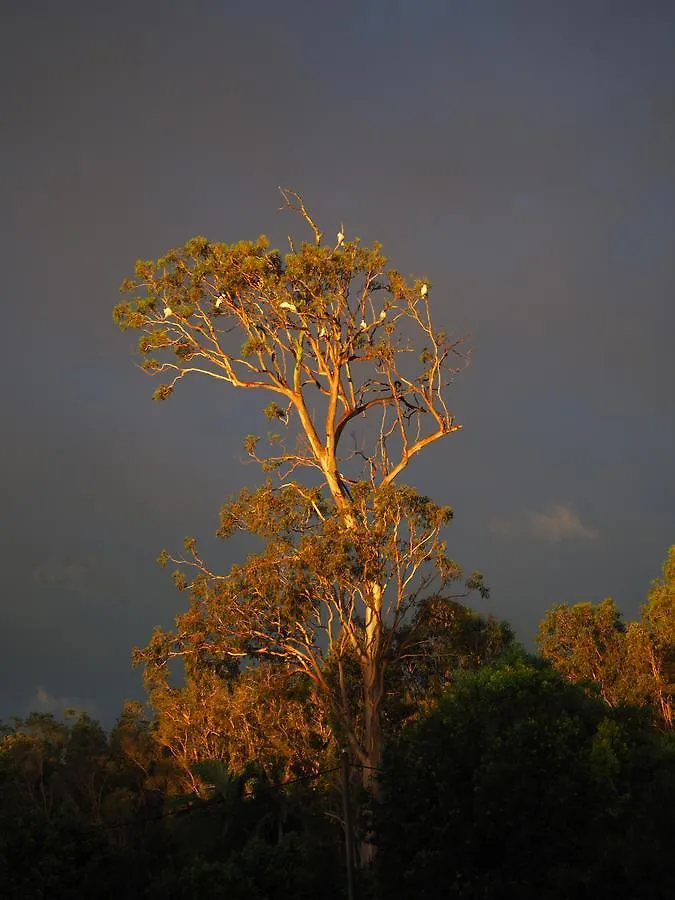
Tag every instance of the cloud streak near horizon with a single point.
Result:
(559, 524)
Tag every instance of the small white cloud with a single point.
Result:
(558, 524)
(43, 698)
(45, 702)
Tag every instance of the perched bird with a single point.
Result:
(424, 290)
(219, 301)
(322, 331)
(383, 315)
(287, 305)
(363, 325)
(341, 236)
(167, 312)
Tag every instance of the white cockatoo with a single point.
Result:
(424, 290)
(219, 301)
(167, 312)
(341, 235)
(287, 305)
(363, 325)
(383, 315)
(322, 331)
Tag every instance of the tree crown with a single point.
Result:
(333, 333)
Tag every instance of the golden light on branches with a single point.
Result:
(333, 333)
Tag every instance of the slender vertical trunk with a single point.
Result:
(349, 837)
(373, 676)
(369, 774)
(372, 736)
(373, 691)
(372, 663)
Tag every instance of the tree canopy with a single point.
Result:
(333, 333)
(358, 375)
(630, 662)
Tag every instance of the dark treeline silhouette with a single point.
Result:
(504, 775)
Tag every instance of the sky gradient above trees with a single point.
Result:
(522, 162)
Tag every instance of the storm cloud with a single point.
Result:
(520, 156)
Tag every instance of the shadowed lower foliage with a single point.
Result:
(513, 783)
(520, 786)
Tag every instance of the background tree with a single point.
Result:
(658, 626)
(628, 663)
(587, 643)
(455, 638)
(338, 338)
(259, 715)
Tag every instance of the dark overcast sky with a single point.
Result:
(521, 155)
